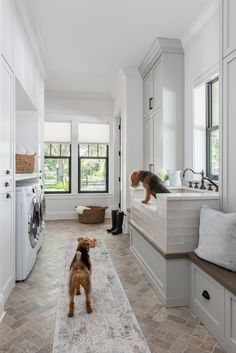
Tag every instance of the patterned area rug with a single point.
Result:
(112, 326)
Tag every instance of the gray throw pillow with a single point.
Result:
(217, 238)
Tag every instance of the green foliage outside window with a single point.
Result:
(57, 167)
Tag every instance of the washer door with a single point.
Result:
(42, 211)
(33, 222)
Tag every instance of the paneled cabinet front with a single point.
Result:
(152, 86)
(148, 144)
(6, 119)
(229, 128)
(7, 30)
(229, 26)
(7, 245)
(148, 93)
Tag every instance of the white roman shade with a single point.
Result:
(55, 132)
(93, 133)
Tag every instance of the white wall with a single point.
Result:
(128, 105)
(75, 110)
(102, 107)
(201, 47)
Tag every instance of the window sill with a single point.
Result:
(78, 196)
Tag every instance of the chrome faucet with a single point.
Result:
(202, 187)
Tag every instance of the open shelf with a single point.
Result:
(26, 176)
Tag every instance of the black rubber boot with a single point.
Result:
(120, 218)
(113, 220)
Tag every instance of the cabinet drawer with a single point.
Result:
(6, 184)
(207, 300)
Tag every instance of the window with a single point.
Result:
(93, 153)
(93, 168)
(57, 158)
(212, 130)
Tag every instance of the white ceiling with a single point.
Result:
(87, 41)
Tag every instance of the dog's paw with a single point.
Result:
(70, 313)
(144, 201)
(89, 309)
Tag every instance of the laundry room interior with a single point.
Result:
(117, 176)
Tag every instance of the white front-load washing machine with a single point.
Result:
(27, 230)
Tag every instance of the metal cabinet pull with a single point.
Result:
(7, 184)
(7, 171)
(206, 295)
(150, 103)
(151, 166)
(8, 196)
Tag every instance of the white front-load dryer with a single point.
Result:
(27, 230)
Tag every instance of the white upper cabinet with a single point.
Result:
(157, 85)
(148, 93)
(6, 119)
(19, 48)
(7, 30)
(163, 81)
(229, 26)
(26, 67)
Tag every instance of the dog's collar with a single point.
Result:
(82, 250)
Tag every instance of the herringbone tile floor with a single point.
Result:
(28, 325)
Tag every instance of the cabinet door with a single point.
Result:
(148, 143)
(230, 321)
(7, 30)
(148, 93)
(158, 140)
(229, 129)
(6, 120)
(157, 85)
(7, 245)
(19, 51)
(229, 26)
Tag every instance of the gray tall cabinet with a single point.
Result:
(163, 99)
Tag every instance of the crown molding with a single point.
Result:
(199, 23)
(28, 16)
(160, 46)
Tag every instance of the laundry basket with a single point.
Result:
(25, 163)
(96, 214)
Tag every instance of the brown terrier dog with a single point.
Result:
(80, 274)
(151, 183)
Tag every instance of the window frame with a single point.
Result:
(59, 157)
(210, 128)
(106, 191)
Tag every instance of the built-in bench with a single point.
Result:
(213, 299)
(225, 277)
(184, 279)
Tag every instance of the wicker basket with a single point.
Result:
(96, 214)
(25, 163)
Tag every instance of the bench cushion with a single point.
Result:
(217, 238)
